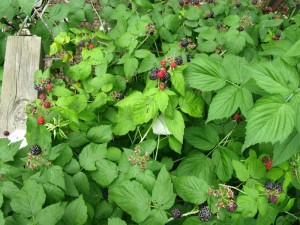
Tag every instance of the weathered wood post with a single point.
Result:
(22, 58)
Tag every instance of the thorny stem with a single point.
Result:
(145, 135)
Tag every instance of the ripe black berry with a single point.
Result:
(269, 185)
(278, 188)
(195, 2)
(178, 60)
(265, 159)
(181, 3)
(238, 4)
(176, 213)
(254, 2)
(189, 58)
(211, 14)
(6, 133)
(167, 76)
(80, 44)
(35, 150)
(278, 35)
(272, 199)
(105, 193)
(241, 28)
(231, 206)
(204, 214)
(48, 80)
(129, 5)
(184, 42)
(219, 25)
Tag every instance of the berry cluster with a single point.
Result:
(88, 43)
(204, 213)
(238, 117)
(138, 159)
(117, 95)
(267, 161)
(186, 43)
(161, 74)
(208, 14)
(42, 87)
(35, 158)
(183, 3)
(225, 197)
(276, 37)
(273, 190)
(150, 29)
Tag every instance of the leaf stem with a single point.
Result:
(145, 135)
(157, 146)
(192, 212)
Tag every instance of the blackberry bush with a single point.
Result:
(35, 150)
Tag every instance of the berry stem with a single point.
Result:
(235, 188)
(192, 212)
(157, 146)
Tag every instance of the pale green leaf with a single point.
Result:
(55, 176)
(130, 67)
(157, 217)
(116, 221)
(100, 134)
(178, 81)
(247, 206)
(223, 163)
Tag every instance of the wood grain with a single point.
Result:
(22, 58)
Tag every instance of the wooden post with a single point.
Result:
(22, 59)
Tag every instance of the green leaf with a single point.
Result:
(163, 196)
(275, 77)
(81, 182)
(80, 71)
(55, 176)
(29, 200)
(71, 189)
(285, 150)
(267, 213)
(235, 67)
(106, 172)
(208, 33)
(192, 13)
(51, 214)
(241, 171)
(294, 50)
(207, 46)
(205, 74)
(116, 221)
(130, 67)
(225, 103)
(223, 163)
(175, 145)
(271, 119)
(256, 167)
(176, 125)
(58, 12)
(76, 212)
(26, 6)
(197, 165)
(192, 104)
(8, 151)
(178, 81)
(100, 134)
(91, 154)
(271, 23)
(172, 22)
(162, 100)
(157, 217)
(125, 40)
(247, 206)
(235, 41)
(132, 198)
(204, 137)
(232, 20)
(191, 189)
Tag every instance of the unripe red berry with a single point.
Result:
(163, 69)
(91, 46)
(162, 86)
(42, 96)
(173, 65)
(160, 74)
(40, 120)
(236, 116)
(47, 105)
(268, 165)
(163, 62)
(49, 87)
